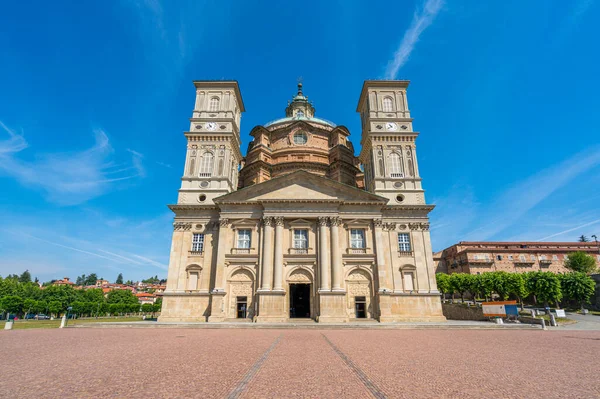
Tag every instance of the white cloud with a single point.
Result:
(560, 233)
(74, 241)
(523, 196)
(421, 20)
(68, 178)
(517, 213)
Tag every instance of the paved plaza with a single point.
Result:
(247, 363)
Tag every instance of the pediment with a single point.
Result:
(300, 186)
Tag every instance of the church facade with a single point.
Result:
(301, 228)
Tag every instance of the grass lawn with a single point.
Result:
(27, 324)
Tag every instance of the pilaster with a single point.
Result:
(336, 259)
(324, 255)
(278, 261)
(267, 253)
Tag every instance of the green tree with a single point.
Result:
(157, 306)
(29, 305)
(515, 284)
(460, 283)
(583, 238)
(580, 262)
(499, 283)
(25, 277)
(147, 308)
(443, 283)
(91, 279)
(577, 287)
(93, 295)
(12, 304)
(55, 308)
(121, 296)
(80, 280)
(545, 286)
(119, 279)
(65, 294)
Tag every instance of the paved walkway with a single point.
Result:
(247, 363)
(587, 322)
(369, 325)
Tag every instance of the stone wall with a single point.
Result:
(455, 311)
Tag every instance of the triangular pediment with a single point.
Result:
(300, 186)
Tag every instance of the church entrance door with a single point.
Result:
(299, 301)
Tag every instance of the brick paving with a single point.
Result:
(245, 363)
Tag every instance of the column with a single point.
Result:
(336, 261)
(267, 253)
(278, 261)
(323, 254)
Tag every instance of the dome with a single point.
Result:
(301, 118)
(300, 109)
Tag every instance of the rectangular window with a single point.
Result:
(554, 257)
(198, 242)
(243, 238)
(301, 239)
(487, 257)
(542, 257)
(499, 257)
(404, 242)
(522, 258)
(357, 238)
(475, 257)
(533, 257)
(510, 257)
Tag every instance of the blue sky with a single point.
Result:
(94, 97)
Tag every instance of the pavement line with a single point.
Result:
(374, 389)
(243, 384)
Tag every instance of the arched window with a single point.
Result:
(207, 164)
(214, 104)
(192, 166)
(395, 165)
(388, 104)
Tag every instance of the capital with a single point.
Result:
(414, 226)
(224, 222)
(335, 221)
(425, 226)
(323, 220)
(268, 221)
(378, 222)
(279, 220)
(182, 226)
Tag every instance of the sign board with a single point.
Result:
(560, 313)
(498, 309)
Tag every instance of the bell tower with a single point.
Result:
(388, 152)
(213, 143)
